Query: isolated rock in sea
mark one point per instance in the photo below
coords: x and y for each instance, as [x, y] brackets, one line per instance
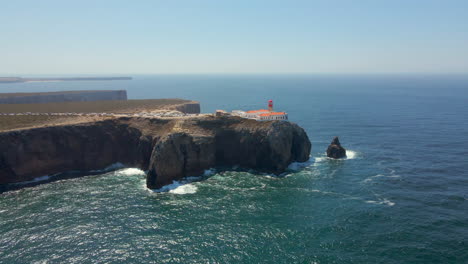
[335, 150]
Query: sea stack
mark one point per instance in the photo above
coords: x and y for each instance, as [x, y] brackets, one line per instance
[335, 150]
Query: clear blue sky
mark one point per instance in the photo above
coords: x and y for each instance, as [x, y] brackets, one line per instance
[329, 36]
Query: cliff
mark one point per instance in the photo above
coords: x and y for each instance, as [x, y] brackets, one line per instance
[169, 149]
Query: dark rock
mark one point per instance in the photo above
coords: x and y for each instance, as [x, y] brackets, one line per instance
[335, 150]
[169, 149]
[263, 146]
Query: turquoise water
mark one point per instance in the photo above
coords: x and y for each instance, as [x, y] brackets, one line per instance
[400, 197]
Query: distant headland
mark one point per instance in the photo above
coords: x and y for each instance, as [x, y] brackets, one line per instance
[67, 79]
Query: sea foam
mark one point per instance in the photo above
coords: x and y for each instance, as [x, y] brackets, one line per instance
[177, 187]
[185, 189]
[350, 154]
[383, 201]
[38, 179]
[130, 172]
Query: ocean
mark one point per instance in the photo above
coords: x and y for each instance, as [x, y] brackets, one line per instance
[401, 196]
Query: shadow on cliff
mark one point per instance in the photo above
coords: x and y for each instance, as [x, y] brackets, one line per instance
[169, 149]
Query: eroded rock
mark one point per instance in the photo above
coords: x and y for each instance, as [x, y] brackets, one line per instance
[335, 150]
[169, 149]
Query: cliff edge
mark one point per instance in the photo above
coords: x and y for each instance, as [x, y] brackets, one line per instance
[169, 149]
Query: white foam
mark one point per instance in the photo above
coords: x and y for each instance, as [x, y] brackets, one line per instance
[38, 179]
[383, 201]
[295, 166]
[185, 189]
[372, 177]
[179, 187]
[184, 186]
[131, 172]
[320, 159]
[379, 176]
[111, 167]
[350, 154]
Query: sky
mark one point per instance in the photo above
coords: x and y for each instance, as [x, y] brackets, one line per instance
[243, 36]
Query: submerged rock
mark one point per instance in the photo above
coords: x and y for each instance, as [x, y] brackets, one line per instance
[335, 150]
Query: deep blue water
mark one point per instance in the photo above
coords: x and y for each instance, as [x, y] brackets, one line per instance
[401, 196]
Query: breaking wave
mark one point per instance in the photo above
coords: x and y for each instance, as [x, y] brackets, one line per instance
[295, 166]
[383, 201]
[131, 172]
[111, 167]
[350, 154]
[178, 187]
[38, 179]
[185, 189]
[184, 186]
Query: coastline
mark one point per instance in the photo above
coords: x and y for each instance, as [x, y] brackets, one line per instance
[170, 149]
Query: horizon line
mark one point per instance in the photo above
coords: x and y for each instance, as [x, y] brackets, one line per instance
[235, 73]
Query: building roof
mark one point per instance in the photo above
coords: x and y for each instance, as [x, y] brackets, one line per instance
[257, 111]
[273, 114]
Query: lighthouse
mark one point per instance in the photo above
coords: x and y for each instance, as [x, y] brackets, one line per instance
[262, 114]
[270, 105]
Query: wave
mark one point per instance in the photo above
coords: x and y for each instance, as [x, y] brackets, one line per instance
[130, 172]
[350, 154]
[184, 189]
[295, 166]
[315, 161]
[373, 177]
[392, 175]
[184, 186]
[178, 187]
[112, 167]
[35, 180]
[383, 201]
[380, 201]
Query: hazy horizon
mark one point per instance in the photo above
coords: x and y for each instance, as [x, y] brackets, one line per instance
[245, 37]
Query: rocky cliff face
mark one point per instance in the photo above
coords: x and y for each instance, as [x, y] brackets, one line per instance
[169, 149]
[188, 108]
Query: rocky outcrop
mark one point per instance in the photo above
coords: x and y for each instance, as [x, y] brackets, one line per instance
[27, 154]
[267, 147]
[335, 150]
[188, 108]
[169, 149]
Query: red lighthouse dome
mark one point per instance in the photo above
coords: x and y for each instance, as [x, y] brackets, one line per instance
[270, 105]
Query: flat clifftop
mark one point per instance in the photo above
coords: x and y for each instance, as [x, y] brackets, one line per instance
[11, 122]
[169, 149]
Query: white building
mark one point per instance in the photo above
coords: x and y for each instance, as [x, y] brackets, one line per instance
[262, 114]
